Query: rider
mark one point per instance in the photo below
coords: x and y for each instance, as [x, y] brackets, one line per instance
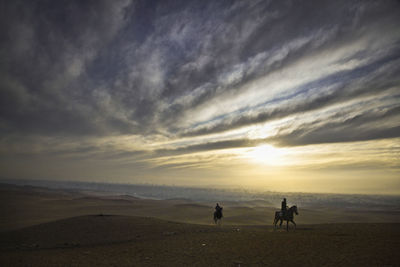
[218, 209]
[284, 207]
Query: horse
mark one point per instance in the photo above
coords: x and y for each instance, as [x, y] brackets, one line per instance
[217, 216]
[288, 217]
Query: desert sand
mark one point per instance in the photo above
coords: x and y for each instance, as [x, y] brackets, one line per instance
[42, 227]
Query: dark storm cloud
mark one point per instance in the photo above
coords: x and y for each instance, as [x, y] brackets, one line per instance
[97, 68]
[45, 49]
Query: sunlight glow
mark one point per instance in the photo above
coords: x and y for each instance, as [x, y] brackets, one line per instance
[266, 154]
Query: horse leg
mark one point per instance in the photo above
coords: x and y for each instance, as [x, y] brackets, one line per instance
[294, 224]
[275, 222]
[287, 225]
[280, 225]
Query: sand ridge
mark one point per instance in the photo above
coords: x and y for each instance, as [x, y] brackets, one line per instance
[42, 227]
[104, 240]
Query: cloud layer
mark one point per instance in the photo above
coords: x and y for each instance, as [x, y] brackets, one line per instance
[171, 78]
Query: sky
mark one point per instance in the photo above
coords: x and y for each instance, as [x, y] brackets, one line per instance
[292, 96]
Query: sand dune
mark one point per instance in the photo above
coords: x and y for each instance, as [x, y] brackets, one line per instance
[134, 241]
[41, 227]
[24, 206]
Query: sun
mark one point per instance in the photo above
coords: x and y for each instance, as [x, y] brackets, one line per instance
[265, 154]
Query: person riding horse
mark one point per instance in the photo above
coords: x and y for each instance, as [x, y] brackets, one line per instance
[285, 214]
[218, 209]
[288, 217]
[217, 213]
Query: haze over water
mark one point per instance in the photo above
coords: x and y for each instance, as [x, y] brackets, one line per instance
[268, 95]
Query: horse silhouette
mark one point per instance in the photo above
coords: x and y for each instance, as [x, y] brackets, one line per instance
[288, 217]
[217, 216]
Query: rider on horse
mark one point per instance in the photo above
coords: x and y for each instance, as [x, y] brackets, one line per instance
[285, 214]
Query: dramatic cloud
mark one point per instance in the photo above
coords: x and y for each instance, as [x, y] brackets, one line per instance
[135, 82]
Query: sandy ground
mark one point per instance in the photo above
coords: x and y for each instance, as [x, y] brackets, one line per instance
[136, 241]
[42, 227]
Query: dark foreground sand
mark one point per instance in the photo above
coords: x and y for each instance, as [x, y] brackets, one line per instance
[40, 227]
[135, 241]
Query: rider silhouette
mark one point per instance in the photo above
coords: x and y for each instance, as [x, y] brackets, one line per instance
[218, 209]
[284, 207]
